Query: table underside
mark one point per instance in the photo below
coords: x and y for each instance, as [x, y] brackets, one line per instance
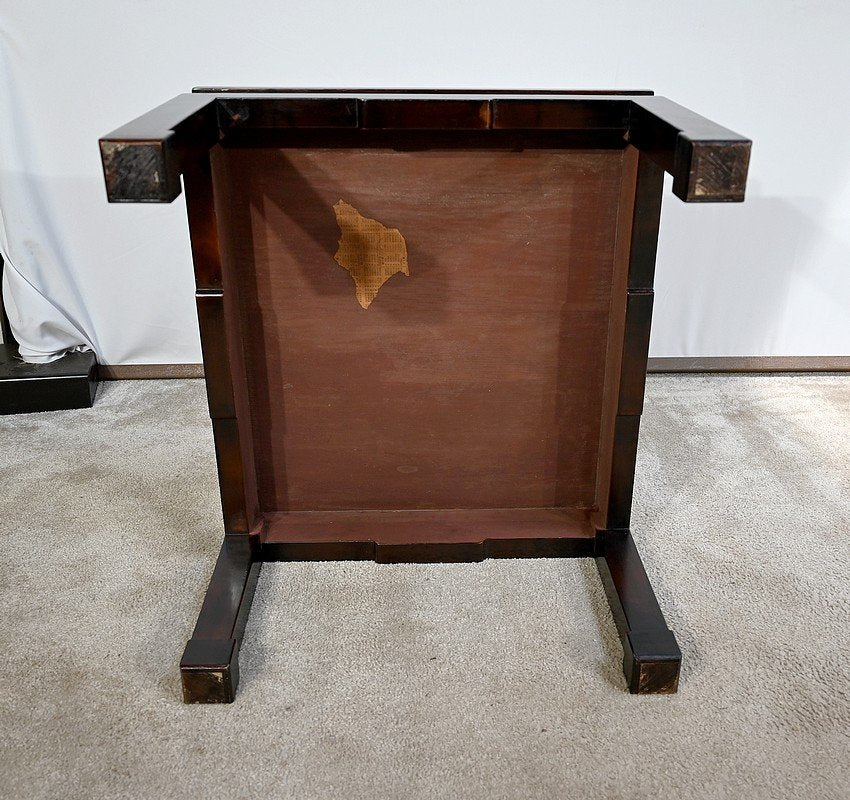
[473, 384]
[425, 324]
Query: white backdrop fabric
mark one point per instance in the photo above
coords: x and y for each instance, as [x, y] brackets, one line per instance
[769, 277]
[45, 309]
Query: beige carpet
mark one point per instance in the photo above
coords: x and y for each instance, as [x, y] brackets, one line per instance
[493, 680]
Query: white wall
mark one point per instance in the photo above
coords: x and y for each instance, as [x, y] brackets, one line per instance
[769, 277]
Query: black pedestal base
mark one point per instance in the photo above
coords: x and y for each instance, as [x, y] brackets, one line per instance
[69, 382]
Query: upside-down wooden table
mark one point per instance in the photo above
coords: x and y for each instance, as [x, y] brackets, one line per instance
[425, 321]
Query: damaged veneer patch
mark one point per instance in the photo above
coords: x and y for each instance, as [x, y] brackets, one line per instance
[371, 252]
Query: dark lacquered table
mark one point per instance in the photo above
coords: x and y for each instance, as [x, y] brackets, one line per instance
[425, 321]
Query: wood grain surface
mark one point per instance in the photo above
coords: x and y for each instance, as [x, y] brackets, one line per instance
[476, 382]
[456, 525]
[429, 536]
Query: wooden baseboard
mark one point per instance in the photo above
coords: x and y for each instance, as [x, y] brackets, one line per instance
[133, 372]
[129, 372]
[751, 364]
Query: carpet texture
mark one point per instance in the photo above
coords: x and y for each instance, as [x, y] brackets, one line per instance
[492, 680]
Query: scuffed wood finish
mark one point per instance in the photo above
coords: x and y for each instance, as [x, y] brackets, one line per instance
[651, 656]
[708, 162]
[294, 112]
[144, 159]
[141, 171]
[210, 665]
[486, 401]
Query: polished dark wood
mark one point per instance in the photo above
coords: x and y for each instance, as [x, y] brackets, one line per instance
[707, 161]
[449, 92]
[628, 338]
[651, 657]
[431, 113]
[203, 223]
[562, 114]
[616, 504]
[143, 159]
[488, 405]
[237, 508]
[219, 383]
[645, 221]
[227, 391]
[209, 667]
[635, 351]
[428, 536]
[294, 112]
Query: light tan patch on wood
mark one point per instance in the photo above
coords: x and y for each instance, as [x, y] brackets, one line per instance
[371, 252]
